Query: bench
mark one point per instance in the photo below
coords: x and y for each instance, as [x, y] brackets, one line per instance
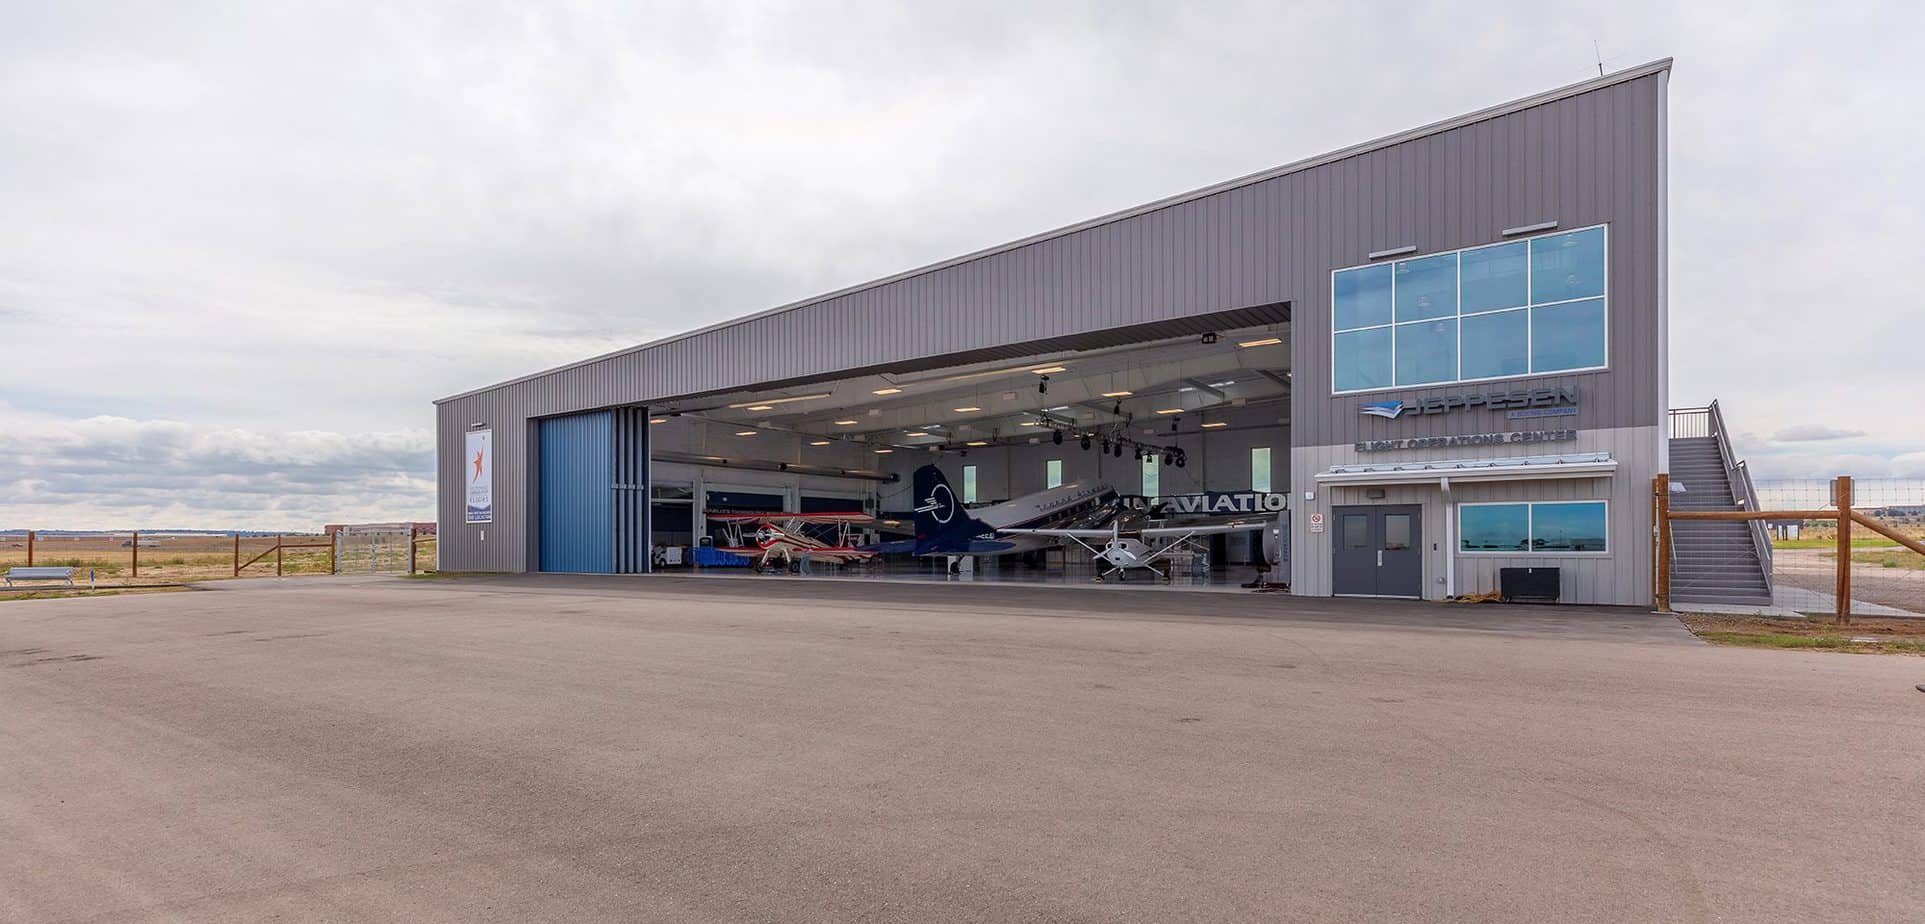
[40, 574]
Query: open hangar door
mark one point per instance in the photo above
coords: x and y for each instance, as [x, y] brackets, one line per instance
[592, 489]
[1189, 422]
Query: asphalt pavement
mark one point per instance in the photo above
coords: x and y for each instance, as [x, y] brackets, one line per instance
[549, 749]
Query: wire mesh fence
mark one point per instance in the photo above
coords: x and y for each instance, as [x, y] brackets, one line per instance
[374, 549]
[1886, 578]
[123, 559]
[130, 558]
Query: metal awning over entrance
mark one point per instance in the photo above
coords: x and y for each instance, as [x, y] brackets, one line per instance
[1444, 471]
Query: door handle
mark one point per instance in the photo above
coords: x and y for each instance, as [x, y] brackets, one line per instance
[1380, 558]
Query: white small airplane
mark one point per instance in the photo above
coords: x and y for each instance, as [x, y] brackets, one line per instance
[1124, 549]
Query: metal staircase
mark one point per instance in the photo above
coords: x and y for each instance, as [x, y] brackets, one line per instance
[1714, 562]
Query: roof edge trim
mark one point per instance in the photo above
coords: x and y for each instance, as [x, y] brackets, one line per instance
[1443, 125]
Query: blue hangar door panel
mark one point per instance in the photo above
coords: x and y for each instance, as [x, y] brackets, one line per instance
[577, 493]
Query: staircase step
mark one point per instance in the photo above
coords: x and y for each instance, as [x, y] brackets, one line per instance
[1678, 599]
[1718, 587]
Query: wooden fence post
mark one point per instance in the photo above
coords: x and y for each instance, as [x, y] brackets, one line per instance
[137, 553]
[277, 554]
[1842, 490]
[30, 548]
[411, 549]
[237, 554]
[1661, 505]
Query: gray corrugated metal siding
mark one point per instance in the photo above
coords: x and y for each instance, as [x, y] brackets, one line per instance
[1585, 154]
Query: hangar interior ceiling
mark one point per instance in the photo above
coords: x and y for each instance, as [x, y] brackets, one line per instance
[1140, 393]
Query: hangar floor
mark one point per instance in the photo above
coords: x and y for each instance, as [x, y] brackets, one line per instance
[1073, 574]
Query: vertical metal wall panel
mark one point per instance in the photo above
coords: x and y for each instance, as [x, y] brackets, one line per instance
[631, 487]
[1586, 154]
[577, 499]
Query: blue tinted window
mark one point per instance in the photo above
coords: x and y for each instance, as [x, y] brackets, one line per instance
[1363, 359]
[1498, 311]
[1567, 336]
[1494, 528]
[1361, 297]
[1427, 287]
[1426, 352]
[1568, 527]
[1567, 266]
[1496, 345]
[1495, 277]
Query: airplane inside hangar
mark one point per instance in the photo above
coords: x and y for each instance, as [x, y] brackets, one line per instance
[1153, 463]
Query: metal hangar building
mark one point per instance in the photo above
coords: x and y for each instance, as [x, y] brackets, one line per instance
[1438, 355]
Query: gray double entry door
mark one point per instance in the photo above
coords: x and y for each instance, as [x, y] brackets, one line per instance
[1378, 551]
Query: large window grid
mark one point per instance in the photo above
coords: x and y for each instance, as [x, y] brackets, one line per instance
[1405, 310]
[1534, 528]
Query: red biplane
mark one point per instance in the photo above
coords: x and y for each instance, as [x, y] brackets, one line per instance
[779, 540]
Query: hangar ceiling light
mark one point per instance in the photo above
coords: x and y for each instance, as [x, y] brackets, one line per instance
[1213, 426]
[1030, 423]
[1170, 410]
[884, 452]
[818, 442]
[1118, 394]
[965, 410]
[656, 420]
[1267, 341]
[887, 391]
[846, 423]
[1050, 370]
[915, 433]
[762, 404]
[745, 433]
[977, 443]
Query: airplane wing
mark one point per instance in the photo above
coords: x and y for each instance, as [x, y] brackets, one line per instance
[794, 518]
[1204, 529]
[1090, 533]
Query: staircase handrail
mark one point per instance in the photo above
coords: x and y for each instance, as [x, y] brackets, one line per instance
[1744, 494]
[1689, 422]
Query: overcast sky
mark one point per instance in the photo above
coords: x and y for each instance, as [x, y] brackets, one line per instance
[244, 246]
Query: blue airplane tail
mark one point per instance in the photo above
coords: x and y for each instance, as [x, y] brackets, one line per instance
[943, 526]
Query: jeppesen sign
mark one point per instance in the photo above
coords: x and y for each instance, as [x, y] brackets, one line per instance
[1515, 400]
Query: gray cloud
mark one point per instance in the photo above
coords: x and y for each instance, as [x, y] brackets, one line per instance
[1810, 433]
[271, 219]
[115, 472]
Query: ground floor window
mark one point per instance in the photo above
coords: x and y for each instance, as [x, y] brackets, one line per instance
[1543, 526]
[1053, 473]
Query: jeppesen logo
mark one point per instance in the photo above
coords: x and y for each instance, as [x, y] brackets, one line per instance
[1386, 409]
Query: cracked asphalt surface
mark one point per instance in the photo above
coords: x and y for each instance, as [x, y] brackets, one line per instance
[552, 748]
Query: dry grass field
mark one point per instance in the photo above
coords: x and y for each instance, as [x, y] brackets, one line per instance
[169, 559]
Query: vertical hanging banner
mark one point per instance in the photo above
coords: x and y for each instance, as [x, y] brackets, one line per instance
[479, 466]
